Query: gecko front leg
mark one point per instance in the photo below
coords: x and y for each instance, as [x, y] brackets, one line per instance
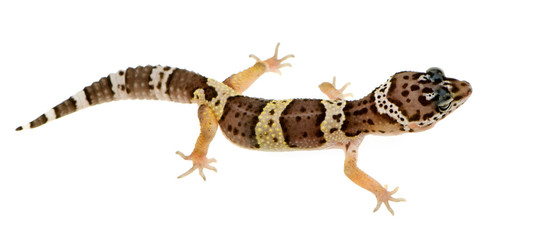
[365, 181]
[209, 126]
[330, 90]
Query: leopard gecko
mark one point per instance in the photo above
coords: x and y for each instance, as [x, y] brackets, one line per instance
[407, 102]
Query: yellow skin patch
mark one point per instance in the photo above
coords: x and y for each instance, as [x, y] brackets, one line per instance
[224, 92]
[332, 123]
[268, 130]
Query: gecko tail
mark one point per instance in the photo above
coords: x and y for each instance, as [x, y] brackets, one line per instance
[148, 82]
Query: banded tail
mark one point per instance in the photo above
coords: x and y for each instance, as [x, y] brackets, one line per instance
[148, 82]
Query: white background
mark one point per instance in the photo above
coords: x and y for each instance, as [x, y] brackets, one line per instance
[109, 172]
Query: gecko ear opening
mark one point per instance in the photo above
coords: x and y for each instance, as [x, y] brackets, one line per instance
[435, 74]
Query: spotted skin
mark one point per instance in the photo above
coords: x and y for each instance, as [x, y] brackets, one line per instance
[239, 120]
[407, 102]
[301, 121]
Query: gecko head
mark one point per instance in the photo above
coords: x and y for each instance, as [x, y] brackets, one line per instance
[421, 99]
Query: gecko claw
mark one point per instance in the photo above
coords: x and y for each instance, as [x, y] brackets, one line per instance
[198, 163]
[274, 64]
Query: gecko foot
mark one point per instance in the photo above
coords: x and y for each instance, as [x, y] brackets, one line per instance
[384, 196]
[199, 162]
[274, 64]
[332, 92]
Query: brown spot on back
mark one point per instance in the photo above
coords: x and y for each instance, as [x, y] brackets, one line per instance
[415, 117]
[393, 84]
[396, 102]
[423, 100]
[373, 109]
[349, 105]
[353, 134]
[427, 90]
[416, 76]
[428, 115]
[360, 112]
[210, 93]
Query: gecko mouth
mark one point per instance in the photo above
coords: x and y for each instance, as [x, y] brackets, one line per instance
[445, 107]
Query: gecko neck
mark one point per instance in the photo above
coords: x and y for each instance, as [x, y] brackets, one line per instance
[362, 117]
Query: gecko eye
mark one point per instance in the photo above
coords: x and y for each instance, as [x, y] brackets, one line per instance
[435, 74]
[444, 100]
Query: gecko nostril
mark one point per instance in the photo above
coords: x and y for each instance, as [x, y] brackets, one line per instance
[466, 84]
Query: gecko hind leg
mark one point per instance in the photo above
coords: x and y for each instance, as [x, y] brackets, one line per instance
[274, 64]
[209, 126]
[243, 80]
